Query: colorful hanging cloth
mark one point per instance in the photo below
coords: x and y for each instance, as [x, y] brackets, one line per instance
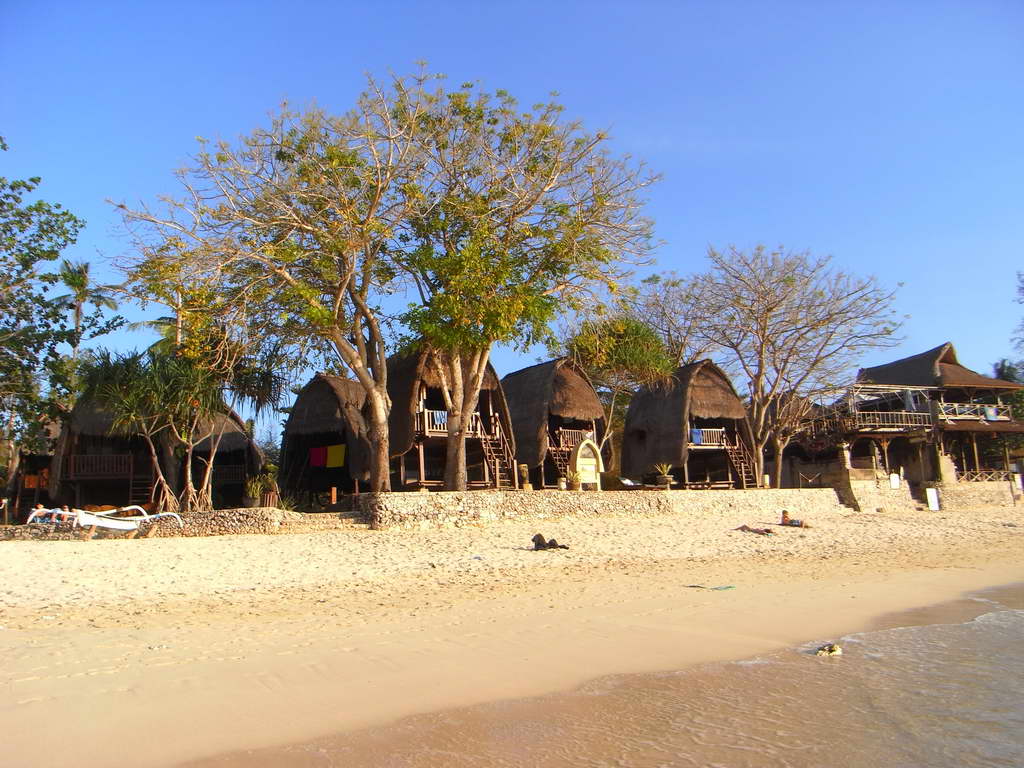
[318, 456]
[335, 455]
[696, 437]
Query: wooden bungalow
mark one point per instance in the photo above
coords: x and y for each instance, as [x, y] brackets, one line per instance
[894, 411]
[324, 445]
[418, 429]
[92, 466]
[553, 408]
[697, 424]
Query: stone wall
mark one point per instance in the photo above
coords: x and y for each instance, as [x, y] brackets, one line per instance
[982, 494]
[431, 510]
[220, 522]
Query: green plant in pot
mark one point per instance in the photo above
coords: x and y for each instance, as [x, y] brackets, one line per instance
[664, 474]
[253, 488]
[572, 480]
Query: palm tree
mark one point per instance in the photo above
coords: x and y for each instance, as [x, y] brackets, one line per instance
[75, 277]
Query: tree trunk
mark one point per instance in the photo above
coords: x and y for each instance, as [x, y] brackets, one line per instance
[163, 495]
[455, 455]
[779, 446]
[759, 458]
[380, 449]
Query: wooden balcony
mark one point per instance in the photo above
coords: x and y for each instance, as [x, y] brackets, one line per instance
[569, 438]
[870, 421]
[435, 424]
[714, 438]
[99, 467]
[973, 412]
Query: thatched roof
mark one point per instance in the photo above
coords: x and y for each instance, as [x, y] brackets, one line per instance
[935, 368]
[405, 374]
[554, 388]
[657, 420]
[332, 404]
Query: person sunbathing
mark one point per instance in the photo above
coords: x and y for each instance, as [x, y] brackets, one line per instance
[761, 531]
[787, 520]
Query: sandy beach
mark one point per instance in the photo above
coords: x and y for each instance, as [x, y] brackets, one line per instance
[160, 651]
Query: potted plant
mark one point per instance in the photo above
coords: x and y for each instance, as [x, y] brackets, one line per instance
[664, 475]
[572, 480]
[253, 489]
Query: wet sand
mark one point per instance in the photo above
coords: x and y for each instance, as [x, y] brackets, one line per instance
[160, 651]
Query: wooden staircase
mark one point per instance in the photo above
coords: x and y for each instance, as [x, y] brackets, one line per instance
[499, 456]
[743, 463]
[140, 483]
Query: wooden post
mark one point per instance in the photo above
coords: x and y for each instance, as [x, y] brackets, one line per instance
[686, 471]
[423, 468]
[974, 446]
[1006, 453]
[885, 454]
[334, 495]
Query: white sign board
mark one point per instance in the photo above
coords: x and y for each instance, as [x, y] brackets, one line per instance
[932, 494]
[894, 481]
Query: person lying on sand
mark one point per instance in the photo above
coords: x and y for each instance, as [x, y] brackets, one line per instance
[761, 531]
[539, 542]
[787, 520]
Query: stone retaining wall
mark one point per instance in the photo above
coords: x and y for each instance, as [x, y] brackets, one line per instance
[983, 494]
[220, 522]
[431, 510]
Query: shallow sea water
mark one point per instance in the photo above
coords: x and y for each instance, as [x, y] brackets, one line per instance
[942, 695]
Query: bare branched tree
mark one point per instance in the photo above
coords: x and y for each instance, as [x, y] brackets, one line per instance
[793, 326]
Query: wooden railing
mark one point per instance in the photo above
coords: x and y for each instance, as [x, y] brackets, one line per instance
[228, 473]
[99, 466]
[851, 422]
[984, 475]
[714, 437]
[977, 411]
[430, 422]
[570, 438]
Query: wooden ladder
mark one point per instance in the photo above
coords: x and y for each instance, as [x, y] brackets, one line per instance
[561, 458]
[743, 463]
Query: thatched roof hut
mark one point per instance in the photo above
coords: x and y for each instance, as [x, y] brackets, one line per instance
[329, 404]
[937, 367]
[408, 376]
[557, 389]
[88, 430]
[659, 417]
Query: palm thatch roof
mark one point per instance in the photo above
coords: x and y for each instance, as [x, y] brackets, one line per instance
[658, 418]
[554, 388]
[937, 367]
[406, 372]
[331, 404]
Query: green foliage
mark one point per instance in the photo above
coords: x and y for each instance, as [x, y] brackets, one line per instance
[619, 352]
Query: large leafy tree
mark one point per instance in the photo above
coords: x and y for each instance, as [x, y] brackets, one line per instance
[619, 354]
[493, 217]
[32, 327]
[294, 225]
[517, 214]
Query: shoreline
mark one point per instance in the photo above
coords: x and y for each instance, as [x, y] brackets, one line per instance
[360, 746]
[447, 620]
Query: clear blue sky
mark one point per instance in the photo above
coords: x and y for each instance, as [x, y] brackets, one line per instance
[886, 134]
